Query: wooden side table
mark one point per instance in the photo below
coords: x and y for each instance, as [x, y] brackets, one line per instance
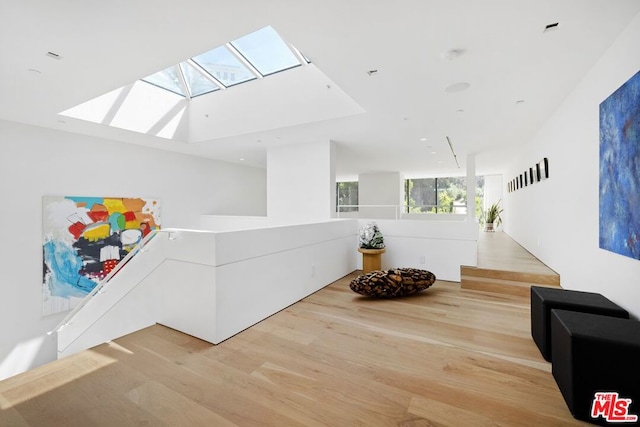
[371, 259]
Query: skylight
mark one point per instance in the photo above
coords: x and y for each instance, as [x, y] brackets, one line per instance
[168, 79]
[197, 82]
[250, 57]
[266, 51]
[224, 66]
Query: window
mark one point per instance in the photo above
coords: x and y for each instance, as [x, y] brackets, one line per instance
[168, 79]
[347, 196]
[219, 62]
[266, 51]
[197, 83]
[253, 56]
[440, 195]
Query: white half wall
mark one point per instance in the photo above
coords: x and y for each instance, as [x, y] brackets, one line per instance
[37, 162]
[557, 219]
[213, 285]
[438, 246]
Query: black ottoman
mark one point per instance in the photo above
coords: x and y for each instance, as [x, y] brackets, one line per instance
[544, 299]
[597, 354]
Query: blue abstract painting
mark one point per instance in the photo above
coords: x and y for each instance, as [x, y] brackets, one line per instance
[620, 170]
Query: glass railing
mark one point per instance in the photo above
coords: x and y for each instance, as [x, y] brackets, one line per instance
[396, 211]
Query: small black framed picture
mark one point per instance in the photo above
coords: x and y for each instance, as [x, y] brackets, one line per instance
[544, 168]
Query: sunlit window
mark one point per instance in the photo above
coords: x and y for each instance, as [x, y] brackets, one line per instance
[253, 56]
[197, 83]
[266, 51]
[347, 196]
[168, 79]
[221, 63]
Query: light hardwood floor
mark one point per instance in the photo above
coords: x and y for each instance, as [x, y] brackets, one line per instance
[506, 267]
[498, 251]
[445, 357]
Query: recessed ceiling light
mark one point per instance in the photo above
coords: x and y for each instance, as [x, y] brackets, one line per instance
[434, 152]
[423, 139]
[241, 159]
[457, 87]
[452, 54]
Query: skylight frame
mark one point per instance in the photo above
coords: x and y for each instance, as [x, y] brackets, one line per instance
[189, 64]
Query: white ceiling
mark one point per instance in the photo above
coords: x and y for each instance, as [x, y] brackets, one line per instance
[506, 58]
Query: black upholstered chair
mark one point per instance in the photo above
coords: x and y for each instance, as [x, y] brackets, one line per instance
[594, 353]
[544, 299]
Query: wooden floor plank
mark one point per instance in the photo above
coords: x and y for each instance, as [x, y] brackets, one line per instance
[445, 357]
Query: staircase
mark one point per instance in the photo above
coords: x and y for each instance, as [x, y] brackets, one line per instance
[506, 267]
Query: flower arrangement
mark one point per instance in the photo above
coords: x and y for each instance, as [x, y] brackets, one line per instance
[371, 237]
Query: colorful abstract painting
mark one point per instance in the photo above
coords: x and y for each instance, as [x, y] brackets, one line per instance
[620, 170]
[85, 238]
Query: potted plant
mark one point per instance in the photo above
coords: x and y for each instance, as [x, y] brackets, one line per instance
[492, 218]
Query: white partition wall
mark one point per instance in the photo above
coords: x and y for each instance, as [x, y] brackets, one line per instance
[380, 195]
[300, 183]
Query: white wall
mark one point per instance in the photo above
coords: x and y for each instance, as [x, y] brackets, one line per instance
[380, 188]
[493, 193]
[557, 219]
[492, 190]
[37, 161]
[300, 183]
